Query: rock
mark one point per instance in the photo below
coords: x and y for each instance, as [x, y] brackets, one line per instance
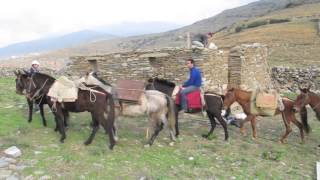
[13, 151]
[3, 163]
[38, 172]
[13, 177]
[5, 173]
[9, 160]
[12, 167]
[45, 177]
[30, 177]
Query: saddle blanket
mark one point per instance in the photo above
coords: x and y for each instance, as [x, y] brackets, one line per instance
[265, 100]
[63, 90]
[193, 99]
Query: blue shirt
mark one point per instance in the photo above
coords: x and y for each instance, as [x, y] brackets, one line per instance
[194, 79]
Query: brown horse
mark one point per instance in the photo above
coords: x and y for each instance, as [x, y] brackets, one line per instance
[243, 98]
[304, 98]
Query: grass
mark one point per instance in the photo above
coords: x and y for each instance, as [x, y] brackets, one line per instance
[191, 157]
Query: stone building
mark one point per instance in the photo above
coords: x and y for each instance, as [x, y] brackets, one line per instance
[243, 64]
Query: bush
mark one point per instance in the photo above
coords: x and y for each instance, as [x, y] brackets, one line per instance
[257, 23]
[274, 21]
[240, 28]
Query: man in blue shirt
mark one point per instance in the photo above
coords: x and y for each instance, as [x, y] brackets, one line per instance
[192, 84]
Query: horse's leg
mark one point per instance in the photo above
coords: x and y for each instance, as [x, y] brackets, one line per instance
[293, 119]
[30, 104]
[109, 128]
[176, 109]
[60, 123]
[224, 125]
[157, 128]
[95, 127]
[213, 124]
[115, 131]
[253, 125]
[66, 118]
[242, 130]
[287, 125]
[44, 122]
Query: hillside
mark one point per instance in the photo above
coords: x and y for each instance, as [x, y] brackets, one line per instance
[294, 42]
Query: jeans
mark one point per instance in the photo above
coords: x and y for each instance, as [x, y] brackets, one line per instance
[183, 95]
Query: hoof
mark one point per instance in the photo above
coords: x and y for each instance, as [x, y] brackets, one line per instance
[111, 147]
[87, 143]
[146, 145]
[205, 136]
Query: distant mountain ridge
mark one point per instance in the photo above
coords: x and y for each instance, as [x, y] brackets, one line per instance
[53, 43]
[85, 37]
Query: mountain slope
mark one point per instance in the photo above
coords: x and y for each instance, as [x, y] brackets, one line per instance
[292, 35]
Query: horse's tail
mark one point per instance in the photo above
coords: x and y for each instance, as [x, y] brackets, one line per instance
[304, 118]
[171, 114]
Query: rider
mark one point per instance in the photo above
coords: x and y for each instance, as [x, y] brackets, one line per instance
[34, 67]
[192, 84]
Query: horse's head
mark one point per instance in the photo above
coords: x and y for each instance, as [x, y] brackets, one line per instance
[302, 100]
[161, 85]
[150, 85]
[21, 81]
[229, 98]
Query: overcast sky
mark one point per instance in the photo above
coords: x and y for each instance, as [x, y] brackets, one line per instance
[22, 20]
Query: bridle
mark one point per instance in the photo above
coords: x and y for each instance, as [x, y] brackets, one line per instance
[37, 94]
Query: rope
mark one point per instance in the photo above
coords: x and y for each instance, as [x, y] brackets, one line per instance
[92, 95]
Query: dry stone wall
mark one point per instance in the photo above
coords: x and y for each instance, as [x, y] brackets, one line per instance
[166, 63]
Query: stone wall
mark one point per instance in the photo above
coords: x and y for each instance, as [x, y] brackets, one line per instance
[291, 78]
[166, 63]
[248, 66]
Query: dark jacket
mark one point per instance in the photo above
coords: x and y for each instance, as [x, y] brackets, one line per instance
[201, 38]
[33, 70]
[194, 79]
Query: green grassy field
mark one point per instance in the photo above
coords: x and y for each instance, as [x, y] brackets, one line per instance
[191, 157]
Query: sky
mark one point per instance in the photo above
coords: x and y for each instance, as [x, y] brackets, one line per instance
[24, 20]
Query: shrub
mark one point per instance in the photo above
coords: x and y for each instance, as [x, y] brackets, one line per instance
[257, 23]
[274, 21]
[240, 28]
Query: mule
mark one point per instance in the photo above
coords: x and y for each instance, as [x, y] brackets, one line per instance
[213, 102]
[304, 98]
[243, 98]
[158, 106]
[101, 108]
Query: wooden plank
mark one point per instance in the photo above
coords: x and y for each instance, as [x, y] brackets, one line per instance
[130, 90]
